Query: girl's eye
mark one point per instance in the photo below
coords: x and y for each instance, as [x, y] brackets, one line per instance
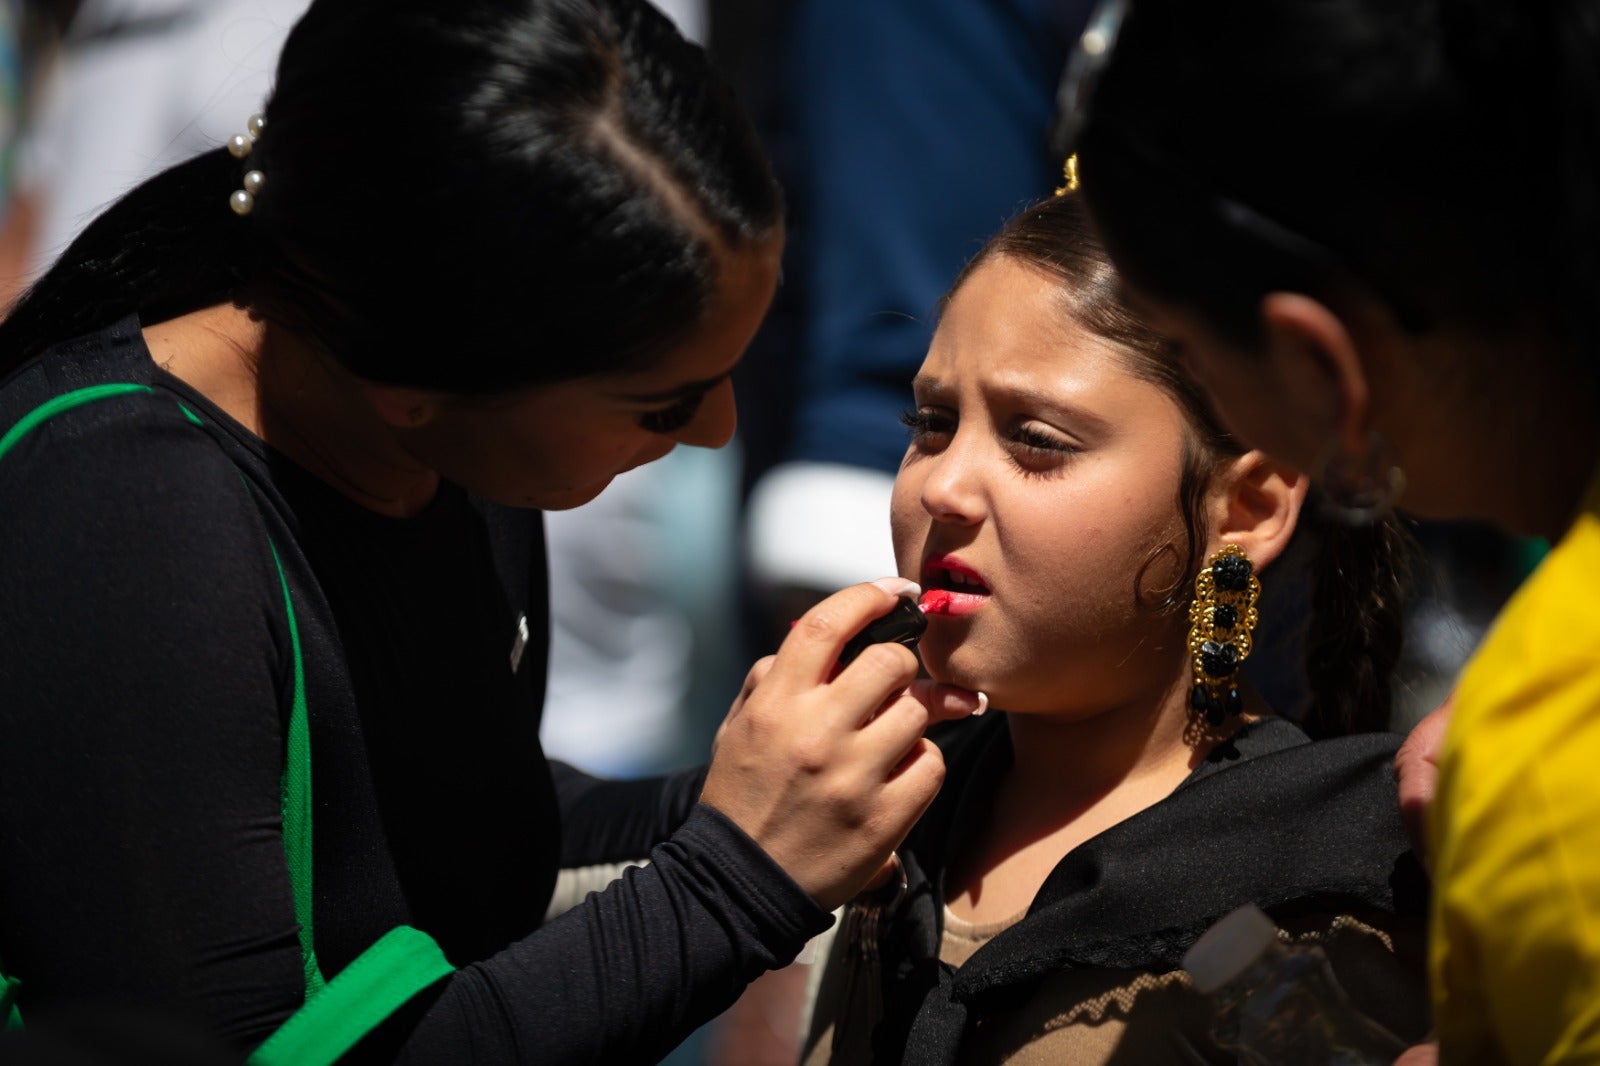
[1037, 439]
[1037, 451]
[926, 424]
[671, 419]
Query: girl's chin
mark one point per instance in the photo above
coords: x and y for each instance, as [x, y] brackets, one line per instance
[952, 669]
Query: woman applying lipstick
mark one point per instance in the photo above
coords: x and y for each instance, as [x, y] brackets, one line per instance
[1063, 490]
[276, 436]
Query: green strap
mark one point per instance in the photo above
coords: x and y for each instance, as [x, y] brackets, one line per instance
[65, 402]
[9, 987]
[383, 979]
[402, 963]
[296, 797]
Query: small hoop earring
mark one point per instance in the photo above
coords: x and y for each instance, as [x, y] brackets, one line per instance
[1222, 621]
[1360, 490]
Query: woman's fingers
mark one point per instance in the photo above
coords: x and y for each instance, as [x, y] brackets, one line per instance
[1417, 766]
[880, 673]
[762, 667]
[760, 670]
[827, 768]
[914, 782]
[1421, 1055]
[895, 732]
[811, 651]
[945, 702]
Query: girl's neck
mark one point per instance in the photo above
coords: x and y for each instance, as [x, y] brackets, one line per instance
[1062, 763]
[293, 396]
[1070, 780]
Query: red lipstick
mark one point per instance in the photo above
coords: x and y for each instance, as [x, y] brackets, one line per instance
[954, 588]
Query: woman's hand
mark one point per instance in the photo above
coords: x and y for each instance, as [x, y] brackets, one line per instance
[827, 769]
[1421, 1055]
[1417, 766]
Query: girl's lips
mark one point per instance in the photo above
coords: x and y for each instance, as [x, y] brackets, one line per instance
[954, 588]
[951, 604]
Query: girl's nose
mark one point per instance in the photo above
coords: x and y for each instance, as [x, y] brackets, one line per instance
[951, 490]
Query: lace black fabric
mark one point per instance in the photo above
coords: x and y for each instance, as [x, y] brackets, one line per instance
[1269, 818]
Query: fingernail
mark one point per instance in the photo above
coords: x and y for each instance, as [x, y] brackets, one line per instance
[983, 705]
[899, 586]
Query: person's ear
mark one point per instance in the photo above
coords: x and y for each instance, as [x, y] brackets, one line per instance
[401, 406]
[1315, 357]
[1256, 504]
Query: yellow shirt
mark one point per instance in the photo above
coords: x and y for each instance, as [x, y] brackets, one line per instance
[1516, 826]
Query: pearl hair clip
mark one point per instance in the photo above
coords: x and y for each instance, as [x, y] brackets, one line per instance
[240, 146]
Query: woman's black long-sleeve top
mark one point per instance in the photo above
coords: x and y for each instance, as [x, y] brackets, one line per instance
[145, 680]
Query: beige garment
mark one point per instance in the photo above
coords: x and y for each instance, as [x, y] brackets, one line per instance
[1134, 1018]
[1083, 1017]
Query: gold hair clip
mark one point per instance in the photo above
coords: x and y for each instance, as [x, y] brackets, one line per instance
[1070, 173]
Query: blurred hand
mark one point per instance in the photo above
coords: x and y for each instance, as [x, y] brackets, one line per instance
[1422, 1054]
[1417, 766]
[828, 769]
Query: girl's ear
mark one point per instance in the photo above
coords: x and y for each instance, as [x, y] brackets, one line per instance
[401, 406]
[1255, 503]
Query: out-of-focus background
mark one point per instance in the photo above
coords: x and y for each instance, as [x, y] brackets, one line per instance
[904, 132]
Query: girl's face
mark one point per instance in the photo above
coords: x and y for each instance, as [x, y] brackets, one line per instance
[558, 446]
[1041, 478]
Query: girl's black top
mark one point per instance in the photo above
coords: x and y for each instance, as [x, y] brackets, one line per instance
[145, 683]
[1302, 829]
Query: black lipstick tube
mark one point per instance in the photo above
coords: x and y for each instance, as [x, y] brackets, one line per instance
[904, 624]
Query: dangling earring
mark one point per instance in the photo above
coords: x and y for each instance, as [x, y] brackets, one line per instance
[1358, 490]
[1221, 621]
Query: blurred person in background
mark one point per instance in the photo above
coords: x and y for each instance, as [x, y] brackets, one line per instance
[139, 86]
[29, 33]
[15, 81]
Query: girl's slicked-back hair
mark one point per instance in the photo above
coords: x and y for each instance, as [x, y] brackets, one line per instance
[1353, 634]
[468, 196]
[1445, 154]
[1056, 238]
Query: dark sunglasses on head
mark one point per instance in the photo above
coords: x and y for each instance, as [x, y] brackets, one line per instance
[1084, 67]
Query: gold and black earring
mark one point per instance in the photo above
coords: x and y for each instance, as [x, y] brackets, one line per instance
[1221, 620]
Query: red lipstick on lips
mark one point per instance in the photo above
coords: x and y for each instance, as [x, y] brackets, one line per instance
[954, 588]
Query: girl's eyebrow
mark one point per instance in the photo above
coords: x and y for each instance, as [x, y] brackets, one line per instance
[1035, 400]
[1023, 396]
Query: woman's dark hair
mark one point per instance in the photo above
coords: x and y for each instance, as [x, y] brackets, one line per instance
[468, 196]
[1354, 632]
[1442, 154]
